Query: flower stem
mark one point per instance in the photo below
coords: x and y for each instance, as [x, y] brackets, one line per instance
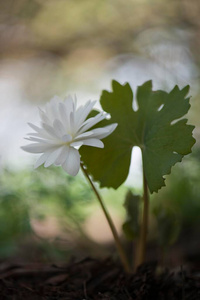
[141, 252]
[111, 224]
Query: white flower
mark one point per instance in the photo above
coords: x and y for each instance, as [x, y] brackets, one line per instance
[64, 128]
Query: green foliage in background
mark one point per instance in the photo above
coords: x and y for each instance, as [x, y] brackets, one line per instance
[26, 195]
[61, 194]
[14, 215]
[175, 210]
[168, 226]
[177, 207]
[131, 225]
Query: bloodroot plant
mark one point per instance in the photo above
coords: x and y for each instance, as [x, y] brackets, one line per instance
[157, 127]
[64, 129]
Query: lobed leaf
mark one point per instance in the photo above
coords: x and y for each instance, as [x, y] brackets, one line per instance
[155, 127]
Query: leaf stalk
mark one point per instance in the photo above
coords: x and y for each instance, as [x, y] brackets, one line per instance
[118, 244]
[141, 251]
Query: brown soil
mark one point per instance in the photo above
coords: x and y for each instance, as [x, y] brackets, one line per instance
[92, 279]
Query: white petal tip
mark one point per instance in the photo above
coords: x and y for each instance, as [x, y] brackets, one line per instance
[114, 125]
[71, 173]
[24, 148]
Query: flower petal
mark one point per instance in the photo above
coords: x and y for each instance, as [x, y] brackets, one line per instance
[62, 157]
[76, 144]
[66, 138]
[72, 162]
[37, 147]
[64, 116]
[68, 102]
[103, 132]
[98, 133]
[91, 122]
[83, 112]
[50, 130]
[93, 142]
[44, 117]
[72, 123]
[34, 127]
[41, 159]
[40, 140]
[59, 128]
[84, 135]
[52, 157]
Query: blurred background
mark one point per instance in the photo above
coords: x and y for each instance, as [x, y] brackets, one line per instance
[77, 47]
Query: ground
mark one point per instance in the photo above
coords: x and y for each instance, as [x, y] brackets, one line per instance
[94, 279]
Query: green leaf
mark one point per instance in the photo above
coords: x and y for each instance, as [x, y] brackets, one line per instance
[154, 127]
[131, 225]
